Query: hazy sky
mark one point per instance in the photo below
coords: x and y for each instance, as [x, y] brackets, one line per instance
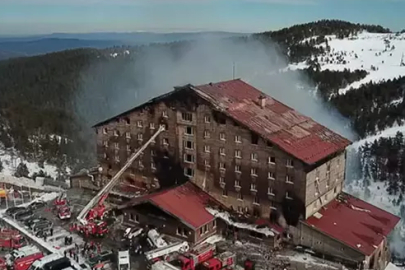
[47, 16]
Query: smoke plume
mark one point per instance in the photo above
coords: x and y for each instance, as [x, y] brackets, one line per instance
[156, 70]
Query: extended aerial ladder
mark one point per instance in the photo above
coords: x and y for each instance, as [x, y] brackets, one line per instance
[95, 209]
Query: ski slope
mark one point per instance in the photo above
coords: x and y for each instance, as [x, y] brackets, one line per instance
[364, 51]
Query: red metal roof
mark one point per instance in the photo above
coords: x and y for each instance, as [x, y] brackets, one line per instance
[354, 222]
[293, 132]
[186, 202]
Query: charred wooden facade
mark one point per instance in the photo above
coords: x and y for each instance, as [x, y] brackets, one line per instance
[233, 163]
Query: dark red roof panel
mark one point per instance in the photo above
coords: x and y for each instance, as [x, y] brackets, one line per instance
[187, 202]
[293, 132]
[354, 222]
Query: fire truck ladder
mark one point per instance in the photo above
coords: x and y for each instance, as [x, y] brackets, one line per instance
[103, 193]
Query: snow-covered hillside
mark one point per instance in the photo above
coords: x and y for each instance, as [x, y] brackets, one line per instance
[10, 161]
[379, 54]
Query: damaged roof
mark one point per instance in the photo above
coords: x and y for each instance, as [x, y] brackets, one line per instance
[358, 224]
[187, 202]
[296, 134]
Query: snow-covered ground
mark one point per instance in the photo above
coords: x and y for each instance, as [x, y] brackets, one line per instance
[379, 54]
[10, 161]
[387, 133]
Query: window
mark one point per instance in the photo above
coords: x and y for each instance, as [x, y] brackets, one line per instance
[105, 131]
[222, 180]
[188, 158]
[117, 159]
[328, 168]
[189, 131]
[140, 164]
[326, 197]
[204, 229]
[288, 195]
[181, 232]
[240, 196]
[221, 120]
[105, 143]
[290, 163]
[127, 135]
[335, 190]
[256, 200]
[105, 155]
[207, 163]
[116, 146]
[133, 217]
[253, 156]
[152, 152]
[207, 119]
[140, 137]
[222, 166]
[317, 175]
[207, 148]
[214, 223]
[254, 139]
[152, 165]
[165, 141]
[188, 117]
[189, 145]
[128, 148]
[253, 171]
[271, 175]
[272, 160]
[189, 172]
[238, 139]
[164, 114]
[237, 169]
[222, 151]
[116, 133]
[207, 134]
[270, 191]
[269, 144]
[238, 154]
[224, 192]
[152, 125]
[127, 121]
[139, 124]
[289, 179]
[237, 183]
[222, 136]
[253, 187]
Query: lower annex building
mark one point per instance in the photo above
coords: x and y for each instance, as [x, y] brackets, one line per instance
[251, 153]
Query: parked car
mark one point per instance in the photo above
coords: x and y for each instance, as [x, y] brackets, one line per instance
[34, 219]
[36, 205]
[41, 226]
[13, 210]
[24, 215]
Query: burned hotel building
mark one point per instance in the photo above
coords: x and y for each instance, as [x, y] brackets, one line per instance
[249, 152]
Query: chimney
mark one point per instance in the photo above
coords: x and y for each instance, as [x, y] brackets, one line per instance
[262, 101]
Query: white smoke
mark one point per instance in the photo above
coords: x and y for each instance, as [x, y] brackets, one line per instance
[157, 70]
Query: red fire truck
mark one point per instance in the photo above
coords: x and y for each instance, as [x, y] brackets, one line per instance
[226, 260]
[25, 262]
[11, 242]
[190, 260]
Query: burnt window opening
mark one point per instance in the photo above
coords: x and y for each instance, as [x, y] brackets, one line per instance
[189, 145]
[165, 141]
[255, 139]
[272, 160]
[109, 166]
[127, 120]
[105, 131]
[235, 124]
[117, 120]
[189, 131]
[221, 120]
[96, 130]
[188, 117]
[269, 144]
[166, 154]
[189, 158]
[189, 172]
